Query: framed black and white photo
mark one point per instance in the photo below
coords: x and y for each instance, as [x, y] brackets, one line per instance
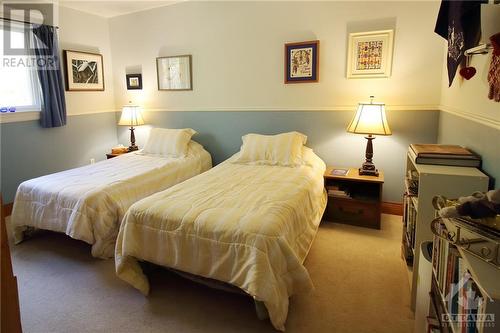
[134, 81]
[302, 62]
[369, 54]
[174, 73]
[84, 71]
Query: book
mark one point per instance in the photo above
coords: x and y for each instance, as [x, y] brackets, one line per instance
[439, 150]
[450, 270]
[443, 265]
[338, 193]
[340, 172]
[450, 162]
[445, 161]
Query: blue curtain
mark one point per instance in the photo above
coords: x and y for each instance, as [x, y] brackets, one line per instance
[53, 103]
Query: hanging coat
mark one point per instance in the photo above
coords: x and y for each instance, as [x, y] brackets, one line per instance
[459, 22]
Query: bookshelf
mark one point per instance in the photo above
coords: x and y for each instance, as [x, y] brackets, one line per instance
[422, 183]
[465, 288]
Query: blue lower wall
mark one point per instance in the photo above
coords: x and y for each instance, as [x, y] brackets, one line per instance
[28, 151]
[220, 133]
[482, 139]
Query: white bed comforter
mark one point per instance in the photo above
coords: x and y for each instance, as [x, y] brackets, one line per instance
[88, 203]
[250, 226]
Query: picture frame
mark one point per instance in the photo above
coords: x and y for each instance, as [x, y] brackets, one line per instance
[302, 62]
[369, 54]
[134, 81]
[174, 73]
[84, 71]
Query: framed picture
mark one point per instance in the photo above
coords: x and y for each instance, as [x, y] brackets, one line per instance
[84, 71]
[174, 73]
[134, 81]
[370, 54]
[302, 62]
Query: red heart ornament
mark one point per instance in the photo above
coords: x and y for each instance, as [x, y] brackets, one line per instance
[467, 72]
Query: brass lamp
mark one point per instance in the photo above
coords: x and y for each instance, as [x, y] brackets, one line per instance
[369, 119]
[131, 116]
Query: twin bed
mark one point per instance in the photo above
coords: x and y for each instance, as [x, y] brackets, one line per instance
[88, 203]
[248, 222]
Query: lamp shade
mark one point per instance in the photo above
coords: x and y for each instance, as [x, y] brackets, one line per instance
[131, 116]
[370, 119]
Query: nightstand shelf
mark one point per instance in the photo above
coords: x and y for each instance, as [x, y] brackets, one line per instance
[362, 207]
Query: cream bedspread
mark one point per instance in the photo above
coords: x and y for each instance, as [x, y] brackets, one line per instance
[250, 226]
[88, 203]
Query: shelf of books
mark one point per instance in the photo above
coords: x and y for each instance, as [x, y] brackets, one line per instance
[422, 183]
[465, 289]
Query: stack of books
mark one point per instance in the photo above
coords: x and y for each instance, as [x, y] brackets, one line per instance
[463, 299]
[444, 155]
[335, 191]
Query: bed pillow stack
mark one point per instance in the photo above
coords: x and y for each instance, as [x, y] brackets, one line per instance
[169, 142]
[283, 149]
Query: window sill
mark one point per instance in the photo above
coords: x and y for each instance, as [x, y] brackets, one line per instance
[19, 116]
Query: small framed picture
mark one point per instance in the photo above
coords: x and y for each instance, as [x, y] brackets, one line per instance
[84, 71]
[302, 62]
[369, 54]
[340, 172]
[134, 81]
[174, 73]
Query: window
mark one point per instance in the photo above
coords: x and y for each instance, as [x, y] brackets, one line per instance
[19, 85]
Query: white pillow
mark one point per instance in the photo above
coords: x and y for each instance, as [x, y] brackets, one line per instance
[169, 142]
[283, 149]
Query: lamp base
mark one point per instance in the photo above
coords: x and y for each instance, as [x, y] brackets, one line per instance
[132, 146]
[368, 168]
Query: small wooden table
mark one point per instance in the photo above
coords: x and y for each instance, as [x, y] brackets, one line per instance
[362, 204]
[110, 155]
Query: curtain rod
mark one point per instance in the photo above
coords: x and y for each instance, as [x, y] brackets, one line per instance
[24, 22]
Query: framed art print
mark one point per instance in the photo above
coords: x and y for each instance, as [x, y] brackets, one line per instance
[370, 54]
[302, 62]
[84, 71]
[134, 81]
[174, 73]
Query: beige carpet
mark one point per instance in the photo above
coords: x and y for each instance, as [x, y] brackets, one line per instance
[361, 286]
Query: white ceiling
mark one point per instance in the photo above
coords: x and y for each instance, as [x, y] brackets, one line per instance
[113, 8]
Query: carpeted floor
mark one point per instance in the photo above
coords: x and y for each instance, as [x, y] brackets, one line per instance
[361, 286]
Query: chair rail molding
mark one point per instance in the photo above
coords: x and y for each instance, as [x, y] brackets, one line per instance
[16, 117]
[487, 121]
[285, 108]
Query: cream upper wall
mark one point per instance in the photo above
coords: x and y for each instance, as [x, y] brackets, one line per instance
[88, 33]
[237, 50]
[469, 98]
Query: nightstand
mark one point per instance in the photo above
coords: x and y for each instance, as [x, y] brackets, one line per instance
[109, 155]
[354, 199]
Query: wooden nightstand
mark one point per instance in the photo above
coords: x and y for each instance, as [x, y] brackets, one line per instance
[109, 155]
[362, 206]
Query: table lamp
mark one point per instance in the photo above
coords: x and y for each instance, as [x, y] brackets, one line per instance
[369, 119]
[131, 116]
